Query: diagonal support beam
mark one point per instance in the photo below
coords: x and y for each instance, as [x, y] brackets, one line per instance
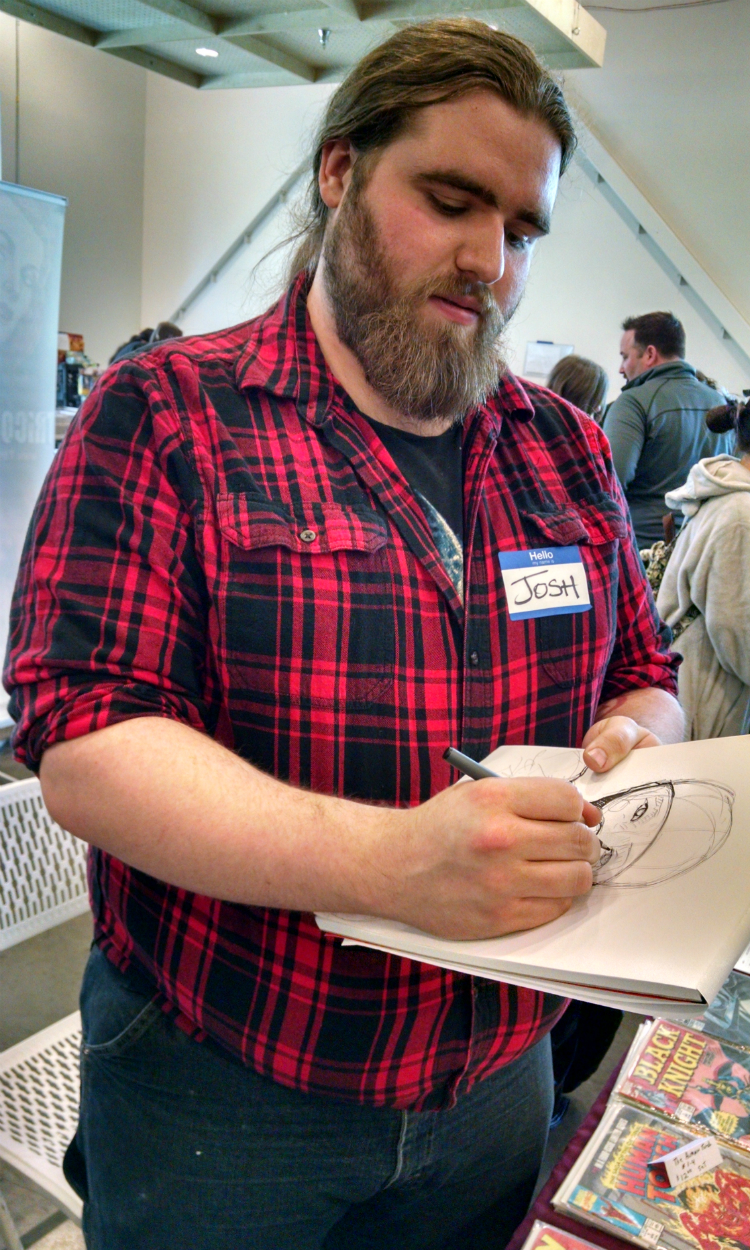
[660, 241]
[261, 219]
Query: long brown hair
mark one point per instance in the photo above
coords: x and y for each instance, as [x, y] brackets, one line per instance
[582, 382]
[421, 65]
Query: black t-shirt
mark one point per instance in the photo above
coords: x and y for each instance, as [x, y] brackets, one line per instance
[433, 467]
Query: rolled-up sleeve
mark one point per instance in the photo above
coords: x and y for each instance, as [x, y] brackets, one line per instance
[108, 619]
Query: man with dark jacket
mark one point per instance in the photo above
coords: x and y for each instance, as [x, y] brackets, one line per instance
[656, 426]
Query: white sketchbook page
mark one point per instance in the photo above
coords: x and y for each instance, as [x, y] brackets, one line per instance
[676, 937]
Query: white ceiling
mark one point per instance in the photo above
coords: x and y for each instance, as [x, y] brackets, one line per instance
[255, 43]
[671, 105]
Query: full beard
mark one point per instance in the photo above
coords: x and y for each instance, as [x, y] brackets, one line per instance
[426, 372]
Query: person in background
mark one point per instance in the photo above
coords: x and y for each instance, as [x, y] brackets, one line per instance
[145, 340]
[705, 592]
[582, 382]
[655, 426]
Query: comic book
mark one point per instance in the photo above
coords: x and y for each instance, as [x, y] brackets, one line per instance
[728, 1016]
[689, 1077]
[612, 1187]
[546, 1237]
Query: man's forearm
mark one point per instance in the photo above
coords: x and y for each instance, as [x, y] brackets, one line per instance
[473, 861]
[173, 803]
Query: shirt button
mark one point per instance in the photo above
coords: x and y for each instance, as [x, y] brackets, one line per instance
[474, 659]
[308, 536]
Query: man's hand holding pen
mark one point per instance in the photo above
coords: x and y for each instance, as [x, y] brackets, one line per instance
[481, 860]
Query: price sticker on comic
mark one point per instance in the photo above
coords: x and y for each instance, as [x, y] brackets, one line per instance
[698, 1156]
[544, 581]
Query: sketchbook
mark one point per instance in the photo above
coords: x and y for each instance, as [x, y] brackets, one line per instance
[612, 1187]
[688, 1077]
[669, 912]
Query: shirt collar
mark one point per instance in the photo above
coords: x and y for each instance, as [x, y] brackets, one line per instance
[670, 368]
[283, 357]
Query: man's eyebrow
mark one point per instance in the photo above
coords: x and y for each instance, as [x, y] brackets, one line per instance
[450, 178]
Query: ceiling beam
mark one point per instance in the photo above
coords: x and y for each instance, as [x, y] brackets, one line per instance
[571, 20]
[278, 23]
[159, 65]
[179, 11]
[343, 8]
[274, 56]
[160, 32]
[264, 78]
[48, 21]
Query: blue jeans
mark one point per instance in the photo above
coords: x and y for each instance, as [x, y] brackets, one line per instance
[180, 1147]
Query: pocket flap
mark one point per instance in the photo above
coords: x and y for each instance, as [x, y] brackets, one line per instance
[316, 527]
[599, 521]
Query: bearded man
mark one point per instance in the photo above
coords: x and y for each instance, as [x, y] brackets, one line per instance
[262, 593]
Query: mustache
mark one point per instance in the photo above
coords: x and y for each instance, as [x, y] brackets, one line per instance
[451, 287]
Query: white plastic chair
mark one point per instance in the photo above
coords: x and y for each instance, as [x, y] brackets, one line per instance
[42, 868]
[42, 883]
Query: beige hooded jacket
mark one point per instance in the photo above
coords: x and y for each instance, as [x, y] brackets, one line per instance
[710, 567]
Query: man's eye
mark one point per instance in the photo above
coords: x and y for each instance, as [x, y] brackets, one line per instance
[518, 242]
[449, 208]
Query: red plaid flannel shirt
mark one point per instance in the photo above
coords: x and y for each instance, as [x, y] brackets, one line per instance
[224, 540]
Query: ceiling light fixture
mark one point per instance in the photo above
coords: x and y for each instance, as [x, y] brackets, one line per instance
[324, 35]
[206, 52]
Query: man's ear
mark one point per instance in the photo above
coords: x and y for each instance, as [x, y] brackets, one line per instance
[650, 356]
[336, 164]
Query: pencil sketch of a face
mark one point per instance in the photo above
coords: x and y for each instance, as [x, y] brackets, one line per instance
[654, 832]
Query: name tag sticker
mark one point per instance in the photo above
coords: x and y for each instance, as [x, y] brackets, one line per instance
[545, 581]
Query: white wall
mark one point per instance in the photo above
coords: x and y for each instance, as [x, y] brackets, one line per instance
[82, 124]
[587, 276]
[213, 159]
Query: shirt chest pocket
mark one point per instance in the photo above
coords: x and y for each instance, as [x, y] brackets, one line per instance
[308, 610]
[574, 648]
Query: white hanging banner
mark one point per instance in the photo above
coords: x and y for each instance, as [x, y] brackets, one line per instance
[31, 239]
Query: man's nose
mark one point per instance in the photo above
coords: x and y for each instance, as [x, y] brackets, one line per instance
[483, 255]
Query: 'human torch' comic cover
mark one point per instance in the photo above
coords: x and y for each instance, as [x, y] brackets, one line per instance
[691, 1078]
[612, 1187]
